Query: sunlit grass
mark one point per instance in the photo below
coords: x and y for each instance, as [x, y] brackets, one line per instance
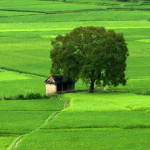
[23, 116]
[87, 139]
[101, 119]
[9, 76]
[144, 40]
[106, 101]
[32, 105]
[5, 141]
[24, 87]
[5, 27]
[20, 122]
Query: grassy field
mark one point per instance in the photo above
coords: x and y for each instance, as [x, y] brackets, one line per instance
[30, 57]
[99, 121]
[20, 117]
[94, 139]
[5, 141]
[23, 116]
[103, 120]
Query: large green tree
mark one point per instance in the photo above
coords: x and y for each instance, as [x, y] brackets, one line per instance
[92, 54]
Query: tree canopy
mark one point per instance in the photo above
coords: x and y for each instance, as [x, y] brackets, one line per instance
[92, 54]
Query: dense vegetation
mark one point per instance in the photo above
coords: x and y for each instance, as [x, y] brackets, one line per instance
[92, 54]
[117, 119]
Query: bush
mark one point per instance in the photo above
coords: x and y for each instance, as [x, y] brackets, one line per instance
[143, 93]
[31, 96]
[20, 96]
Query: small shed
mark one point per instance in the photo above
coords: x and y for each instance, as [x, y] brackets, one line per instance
[59, 84]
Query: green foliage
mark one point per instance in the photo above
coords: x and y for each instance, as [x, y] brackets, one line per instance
[144, 93]
[92, 54]
[32, 96]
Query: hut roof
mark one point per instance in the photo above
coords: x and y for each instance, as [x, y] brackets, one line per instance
[58, 80]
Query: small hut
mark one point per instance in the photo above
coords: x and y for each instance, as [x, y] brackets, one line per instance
[59, 84]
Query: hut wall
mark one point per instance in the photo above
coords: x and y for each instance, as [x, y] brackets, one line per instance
[72, 87]
[51, 88]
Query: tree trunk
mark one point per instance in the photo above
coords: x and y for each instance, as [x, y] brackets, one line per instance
[91, 89]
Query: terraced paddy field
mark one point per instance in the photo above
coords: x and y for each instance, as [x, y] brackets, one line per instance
[99, 121]
[117, 119]
[21, 117]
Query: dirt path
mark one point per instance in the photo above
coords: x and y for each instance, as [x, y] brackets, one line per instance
[49, 119]
[17, 143]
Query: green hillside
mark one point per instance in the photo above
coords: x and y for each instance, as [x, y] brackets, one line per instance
[117, 119]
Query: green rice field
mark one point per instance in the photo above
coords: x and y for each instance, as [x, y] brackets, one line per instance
[117, 119]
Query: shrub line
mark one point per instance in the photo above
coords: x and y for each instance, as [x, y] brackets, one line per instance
[31, 96]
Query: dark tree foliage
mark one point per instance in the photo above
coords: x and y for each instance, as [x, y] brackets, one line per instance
[92, 54]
